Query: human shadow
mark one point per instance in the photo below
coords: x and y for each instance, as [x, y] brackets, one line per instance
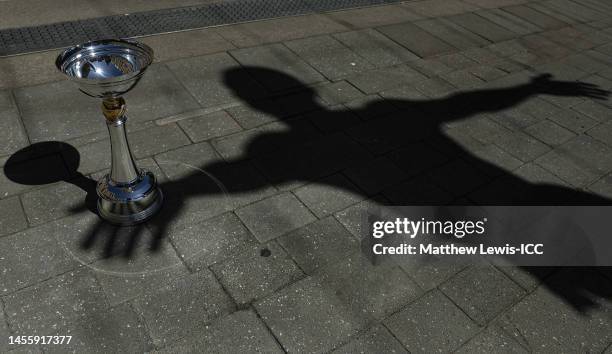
[305, 148]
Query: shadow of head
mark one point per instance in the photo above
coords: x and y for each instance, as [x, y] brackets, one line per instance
[43, 163]
[50, 162]
[240, 81]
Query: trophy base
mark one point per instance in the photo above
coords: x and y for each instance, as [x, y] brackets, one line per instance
[129, 203]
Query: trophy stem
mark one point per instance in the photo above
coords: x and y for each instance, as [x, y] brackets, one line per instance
[123, 167]
[127, 195]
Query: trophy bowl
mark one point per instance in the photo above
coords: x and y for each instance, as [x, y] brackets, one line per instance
[107, 69]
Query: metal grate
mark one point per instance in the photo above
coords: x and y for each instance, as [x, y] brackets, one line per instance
[58, 35]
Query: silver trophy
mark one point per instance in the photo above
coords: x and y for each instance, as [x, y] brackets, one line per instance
[108, 69]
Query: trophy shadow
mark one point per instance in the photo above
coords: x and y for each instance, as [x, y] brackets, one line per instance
[289, 155]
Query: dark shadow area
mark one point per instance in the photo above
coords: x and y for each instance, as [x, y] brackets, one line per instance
[297, 154]
[38, 171]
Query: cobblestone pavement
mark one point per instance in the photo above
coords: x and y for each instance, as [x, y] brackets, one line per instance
[304, 122]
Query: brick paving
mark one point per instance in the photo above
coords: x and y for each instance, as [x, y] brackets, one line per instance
[304, 122]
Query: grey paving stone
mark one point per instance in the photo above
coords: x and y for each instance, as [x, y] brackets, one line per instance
[352, 218]
[158, 95]
[58, 111]
[452, 33]
[430, 67]
[522, 146]
[601, 132]
[431, 323]
[281, 29]
[27, 258]
[5, 332]
[272, 217]
[291, 168]
[382, 135]
[212, 241]
[278, 58]
[308, 316]
[374, 176]
[526, 113]
[333, 119]
[417, 40]
[373, 16]
[377, 290]
[509, 66]
[375, 47]
[177, 163]
[113, 330]
[13, 136]
[465, 177]
[26, 349]
[417, 191]
[456, 61]
[508, 48]
[429, 272]
[240, 332]
[434, 87]
[496, 161]
[204, 78]
[186, 304]
[482, 55]
[538, 18]
[439, 8]
[257, 272]
[375, 340]
[509, 21]
[462, 79]
[142, 270]
[533, 173]
[594, 110]
[249, 117]
[535, 320]
[371, 106]
[186, 44]
[338, 92]
[487, 73]
[320, 243]
[53, 202]
[602, 186]
[12, 217]
[54, 304]
[387, 78]
[328, 195]
[492, 339]
[482, 27]
[574, 10]
[529, 278]
[417, 158]
[209, 126]
[550, 133]
[579, 161]
[95, 157]
[329, 56]
[482, 292]
[251, 143]
[480, 127]
[155, 140]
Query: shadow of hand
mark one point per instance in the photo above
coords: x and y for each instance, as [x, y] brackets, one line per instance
[545, 85]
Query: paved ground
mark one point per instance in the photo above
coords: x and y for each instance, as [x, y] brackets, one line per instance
[18, 13]
[306, 122]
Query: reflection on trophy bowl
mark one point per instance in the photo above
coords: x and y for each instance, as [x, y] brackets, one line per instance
[105, 68]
